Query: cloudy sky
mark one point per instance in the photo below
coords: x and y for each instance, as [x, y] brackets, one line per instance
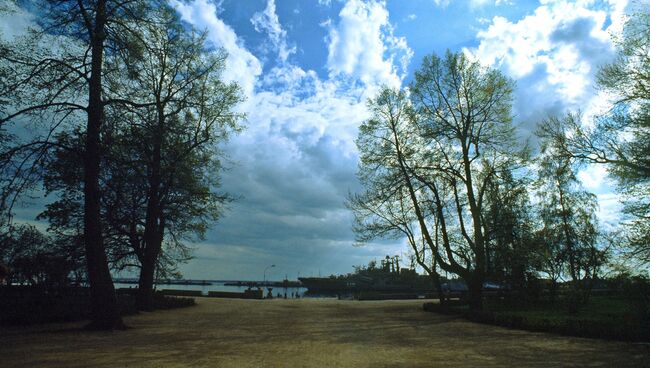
[307, 68]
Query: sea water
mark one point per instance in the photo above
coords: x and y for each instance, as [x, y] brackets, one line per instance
[219, 286]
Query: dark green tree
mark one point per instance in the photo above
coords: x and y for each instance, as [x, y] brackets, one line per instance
[40, 260]
[162, 163]
[191, 113]
[57, 74]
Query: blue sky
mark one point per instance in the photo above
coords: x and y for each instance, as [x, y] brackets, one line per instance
[307, 68]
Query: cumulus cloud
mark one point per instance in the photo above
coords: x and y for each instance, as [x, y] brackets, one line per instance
[241, 66]
[362, 45]
[296, 161]
[267, 21]
[553, 54]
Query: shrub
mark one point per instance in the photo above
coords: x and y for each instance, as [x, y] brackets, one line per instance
[30, 305]
[621, 326]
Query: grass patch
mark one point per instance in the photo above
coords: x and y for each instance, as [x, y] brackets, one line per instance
[603, 317]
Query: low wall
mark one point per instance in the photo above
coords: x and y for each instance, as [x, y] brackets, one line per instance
[247, 294]
[225, 294]
[176, 292]
[373, 295]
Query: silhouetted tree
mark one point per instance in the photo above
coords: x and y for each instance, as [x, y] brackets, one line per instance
[39, 259]
[57, 74]
[509, 225]
[162, 161]
[427, 164]
[384, 210]
[178, 136]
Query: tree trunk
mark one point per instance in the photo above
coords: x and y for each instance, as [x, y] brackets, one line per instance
[153, 236]
[104, 309]
[145, 283]
[475, 289]
[154, 225]
[153, 246]
[435, 279]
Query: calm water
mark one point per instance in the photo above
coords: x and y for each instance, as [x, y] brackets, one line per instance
[219, 286]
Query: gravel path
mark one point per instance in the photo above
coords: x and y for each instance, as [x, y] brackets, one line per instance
[306, 333]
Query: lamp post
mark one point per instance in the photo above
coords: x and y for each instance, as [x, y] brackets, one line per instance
[264, 282]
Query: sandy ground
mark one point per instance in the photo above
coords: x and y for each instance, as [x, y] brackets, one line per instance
[306, 333]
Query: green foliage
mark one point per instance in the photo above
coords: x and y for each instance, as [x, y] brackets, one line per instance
[603, 317]
[509, 230]
[161, 151]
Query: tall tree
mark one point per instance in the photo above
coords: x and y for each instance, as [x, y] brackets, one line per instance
[465, 121]
[387, 144]
[191, 113]
[162, 162]
[435, 156]
[46, 82]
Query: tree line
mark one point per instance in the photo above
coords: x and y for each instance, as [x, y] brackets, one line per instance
[118, 110]
[442, 166]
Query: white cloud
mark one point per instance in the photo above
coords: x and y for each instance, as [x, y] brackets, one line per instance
[594, 177]
[362, 45]
[609, 210]
[267, 21]
[14, 21]
[553, 54]
[241, 65]
[297, 158]
[473, 4]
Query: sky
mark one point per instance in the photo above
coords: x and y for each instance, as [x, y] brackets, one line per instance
[307, 69]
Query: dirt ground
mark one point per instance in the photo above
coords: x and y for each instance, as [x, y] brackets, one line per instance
[306, 333]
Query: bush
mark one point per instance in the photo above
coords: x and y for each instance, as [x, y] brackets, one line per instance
[30, 305]
[621, 325]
